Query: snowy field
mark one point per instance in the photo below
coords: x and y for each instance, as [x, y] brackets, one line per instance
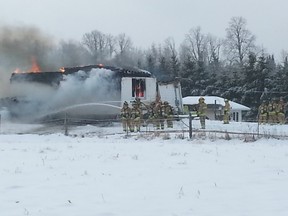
[94, 172]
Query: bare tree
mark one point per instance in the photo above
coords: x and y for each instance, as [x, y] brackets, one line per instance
[123, 50]
[196, 44]
[124, 43]
[213, 48]
[239, 40]
[96, 42]
[170, 47]
[72, 53]
[111, 42]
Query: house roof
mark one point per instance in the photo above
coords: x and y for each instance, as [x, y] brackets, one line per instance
[191, 100]
[54, 77]
[125, 72]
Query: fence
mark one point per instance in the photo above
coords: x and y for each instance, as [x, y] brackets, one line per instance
[186, 126]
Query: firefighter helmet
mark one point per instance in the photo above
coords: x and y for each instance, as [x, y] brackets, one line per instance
[201, 99]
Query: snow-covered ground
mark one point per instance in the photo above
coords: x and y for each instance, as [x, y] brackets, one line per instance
[97, 171]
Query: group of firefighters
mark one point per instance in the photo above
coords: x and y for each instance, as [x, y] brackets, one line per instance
[272, 112]
[202, 107]
[157, 113]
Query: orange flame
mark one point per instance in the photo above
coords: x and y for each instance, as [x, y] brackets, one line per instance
[17, 70]
[35, 67]
[62, 69]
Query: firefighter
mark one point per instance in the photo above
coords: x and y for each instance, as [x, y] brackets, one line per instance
[168, 114]
[159, 120]
[141, 106]
[135, 118]
[272, 118]
[263, 113]
[226, 116]
[125, 116]
[280, 111]
[152, 115]
[201, 111]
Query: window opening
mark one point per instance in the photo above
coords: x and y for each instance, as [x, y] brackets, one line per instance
[138, 87]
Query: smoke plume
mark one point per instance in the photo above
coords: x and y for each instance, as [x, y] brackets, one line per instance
[35, 101]
[98, 85]
[19, 45]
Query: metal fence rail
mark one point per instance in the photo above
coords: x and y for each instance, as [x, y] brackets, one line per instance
[186, 127]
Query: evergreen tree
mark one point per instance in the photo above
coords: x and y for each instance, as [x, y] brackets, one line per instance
[187, 78]
[256, 74]
[174, 65]
[280, 81]
[163, 66]
[150, 63]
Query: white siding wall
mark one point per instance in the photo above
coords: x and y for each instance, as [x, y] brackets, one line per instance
[150, 89]
[172, 94]
[126, 89]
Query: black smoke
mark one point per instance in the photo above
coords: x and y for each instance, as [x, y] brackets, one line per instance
[18, 46]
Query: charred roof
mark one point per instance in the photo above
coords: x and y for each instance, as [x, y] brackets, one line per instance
[51, 78]
[54, 77]
[124, 72]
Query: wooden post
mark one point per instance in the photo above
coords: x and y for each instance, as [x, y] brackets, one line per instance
[65, 125]
[258, 129]
[215, 114]
[190, 126]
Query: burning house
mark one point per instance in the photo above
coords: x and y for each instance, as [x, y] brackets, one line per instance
[93, 91]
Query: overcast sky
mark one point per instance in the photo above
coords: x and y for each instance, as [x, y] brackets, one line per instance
[148, 21]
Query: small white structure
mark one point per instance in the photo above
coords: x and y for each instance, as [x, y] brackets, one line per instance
[215, 107]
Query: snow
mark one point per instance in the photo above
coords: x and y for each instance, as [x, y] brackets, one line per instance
[98, 171]
[190, 100]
